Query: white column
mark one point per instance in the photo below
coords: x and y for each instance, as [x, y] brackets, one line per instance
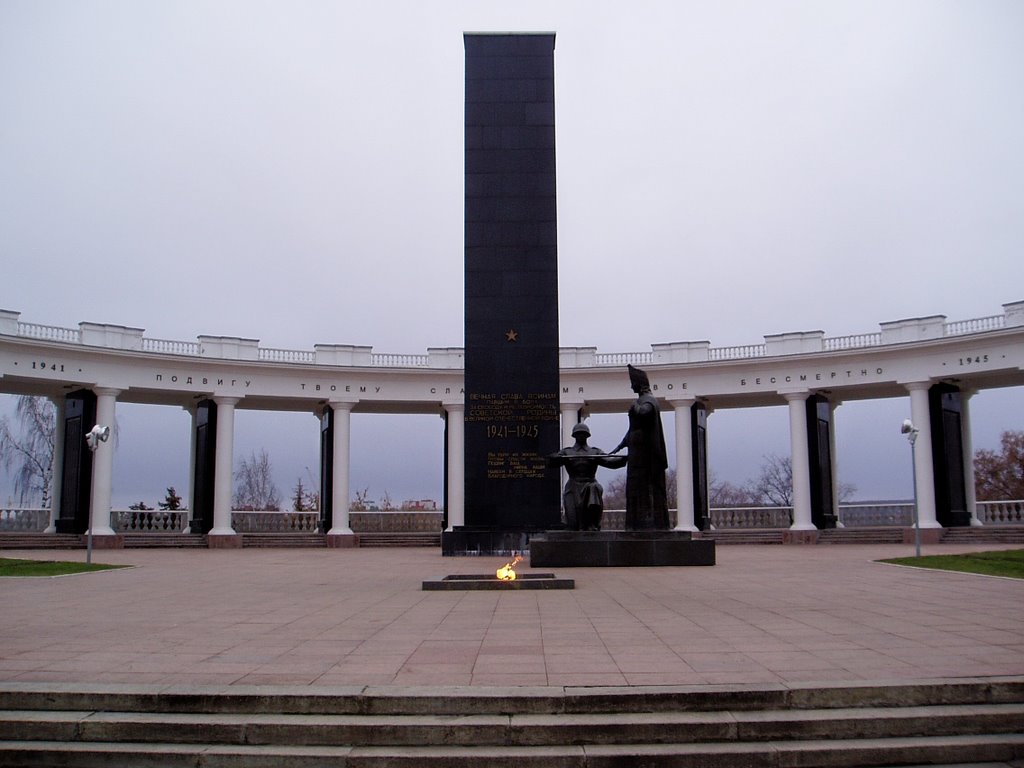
[57, 480]
[968, 444]
[340, 500]
[799, 461]
[923, 467]
[223, 474]
[832, 406]
[456, 464]
[684, 464]
[102, 464]
[189, 496]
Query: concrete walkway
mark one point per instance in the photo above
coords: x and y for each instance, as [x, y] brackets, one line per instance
[319, 617]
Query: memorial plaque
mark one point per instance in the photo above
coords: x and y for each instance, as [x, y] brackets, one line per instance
[511, 285]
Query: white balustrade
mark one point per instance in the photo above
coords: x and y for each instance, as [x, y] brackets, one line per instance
[736, 353]
[1001, 512]
[751, 517]
[171, 347]
[301, 357]
[149, 520]
[899, 513]
[398, 361]
[33, 520]
[245, 349]
[855, 341]
[624, 358]
[977, 325]
[50, 333]
[275, 522]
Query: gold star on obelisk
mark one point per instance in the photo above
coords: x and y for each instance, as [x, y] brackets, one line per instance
[511, 335]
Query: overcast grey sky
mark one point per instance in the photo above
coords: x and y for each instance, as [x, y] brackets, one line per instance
[292, 172]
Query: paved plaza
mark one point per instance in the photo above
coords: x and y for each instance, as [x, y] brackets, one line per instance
[319, 617]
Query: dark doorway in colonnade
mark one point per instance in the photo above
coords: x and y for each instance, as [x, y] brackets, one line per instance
[205, 467]
[946, 416]
[699, 439]
[327, 470]
[819, 456]
[76, 473]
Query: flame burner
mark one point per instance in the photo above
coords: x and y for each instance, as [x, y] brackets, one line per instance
[491, 581]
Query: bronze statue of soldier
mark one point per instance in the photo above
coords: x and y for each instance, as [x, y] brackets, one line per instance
[647, 460]
[583, 497]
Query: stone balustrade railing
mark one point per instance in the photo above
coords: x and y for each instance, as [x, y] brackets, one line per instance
[24, 520]
[899, 513]
[148, 520]
[896, 514]
[234, 348]
[751, 517]
[1001, 512]
[275, 522]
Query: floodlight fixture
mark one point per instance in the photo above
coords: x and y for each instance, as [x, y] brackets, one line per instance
[97, 435]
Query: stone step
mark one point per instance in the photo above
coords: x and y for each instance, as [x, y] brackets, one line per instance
[380, 539]
[519, 700]
[990, 534]
[854, 724]
[161, 540]
[838, 753]
[744, 536]
[304, 540]
[861, 536]
[41, 541]
[512, 730]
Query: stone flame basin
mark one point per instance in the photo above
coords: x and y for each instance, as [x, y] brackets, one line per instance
[490, 581]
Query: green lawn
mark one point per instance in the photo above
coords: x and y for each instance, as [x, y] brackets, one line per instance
[1008, 563]
[12, 567]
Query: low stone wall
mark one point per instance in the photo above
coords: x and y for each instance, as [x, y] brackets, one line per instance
[395, 522]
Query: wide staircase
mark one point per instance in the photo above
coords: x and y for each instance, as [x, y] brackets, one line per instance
[917, 723]
[411, 539]
[745, 535]
[284, 540]
[22, 540]
[164, 540]
[988, 534]
[876, 535]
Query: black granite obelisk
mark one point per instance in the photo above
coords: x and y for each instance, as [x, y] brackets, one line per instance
[511, 294]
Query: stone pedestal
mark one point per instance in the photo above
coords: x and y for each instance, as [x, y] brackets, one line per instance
[224, 541]
[480, 540]
[625, 549]
[106, 541]
[342, 540]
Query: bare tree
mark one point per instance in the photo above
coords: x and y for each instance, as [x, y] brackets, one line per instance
[27, 451]
[255, 489]
[1000, 476]
[775, 483]
[615, 491]
[722, 493]
[304, 500]
[361, 502]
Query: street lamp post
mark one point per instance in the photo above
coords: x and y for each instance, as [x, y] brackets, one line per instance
[911, 432]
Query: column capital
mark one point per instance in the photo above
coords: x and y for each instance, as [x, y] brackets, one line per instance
[226, 400]
[917, 386]
[682, 402]
[454, 407]
[794, 397]
[342, 405]
[106, 391]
